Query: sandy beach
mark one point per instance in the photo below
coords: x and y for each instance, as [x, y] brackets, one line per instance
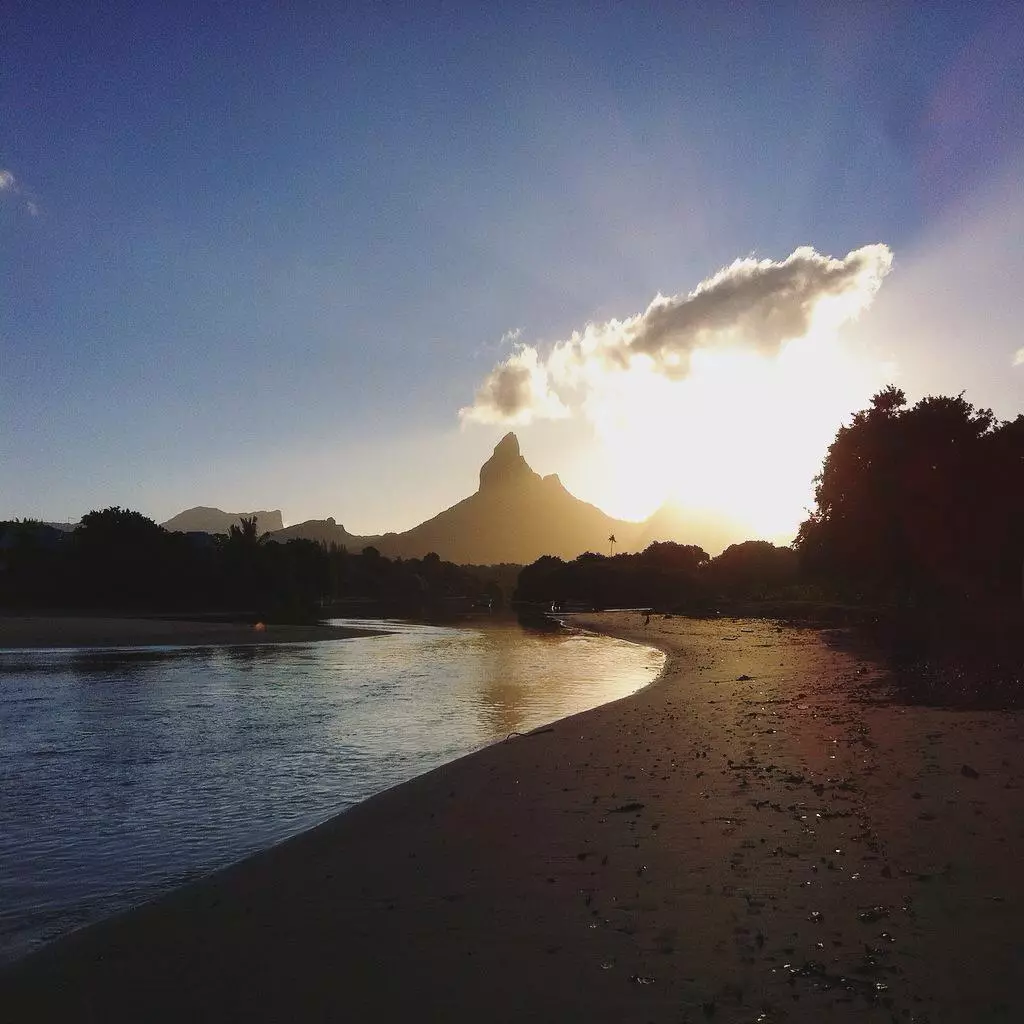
[18, 631]
[758, 836]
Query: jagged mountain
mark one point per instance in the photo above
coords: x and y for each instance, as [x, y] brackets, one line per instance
[516, 515]
[213, 520]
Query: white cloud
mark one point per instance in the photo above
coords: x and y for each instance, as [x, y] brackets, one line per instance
[517, 391]
[1018, 359]
[758, 305]
[10, 184]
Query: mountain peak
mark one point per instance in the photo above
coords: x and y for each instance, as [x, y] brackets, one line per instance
[508, 445]
[506, 465]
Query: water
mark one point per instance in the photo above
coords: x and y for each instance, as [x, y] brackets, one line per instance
[125, 772]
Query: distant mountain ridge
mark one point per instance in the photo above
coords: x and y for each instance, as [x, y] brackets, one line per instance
[515, 515]
[324, 531]
[202, 519]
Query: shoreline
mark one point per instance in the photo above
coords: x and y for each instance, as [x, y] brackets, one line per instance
[56, 632]
[510, 712]
[744, 836]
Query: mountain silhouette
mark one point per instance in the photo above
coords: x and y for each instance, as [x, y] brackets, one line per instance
[515, 515]
[324, 531]
[212, 520]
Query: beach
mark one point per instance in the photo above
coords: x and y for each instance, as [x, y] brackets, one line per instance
[761, 835]
[56, 631]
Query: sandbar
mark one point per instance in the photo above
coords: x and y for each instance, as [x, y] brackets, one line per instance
[758, 836]
[57, 631]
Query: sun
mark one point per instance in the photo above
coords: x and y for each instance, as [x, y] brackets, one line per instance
[741, 437]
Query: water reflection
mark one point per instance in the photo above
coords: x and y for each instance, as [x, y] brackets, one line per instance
[504, 694]
[248, 656]
[122, 772]
[125, 661]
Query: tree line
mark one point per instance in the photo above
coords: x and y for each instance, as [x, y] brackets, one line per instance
[118, 560]
[664, 575]
[914, 506]
[923, 503]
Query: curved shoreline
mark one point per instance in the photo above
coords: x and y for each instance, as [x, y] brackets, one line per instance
[543, 693]
[728, 841]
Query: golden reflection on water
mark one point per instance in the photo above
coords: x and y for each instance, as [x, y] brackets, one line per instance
[514, 679]
[502, 695]
[193, 757]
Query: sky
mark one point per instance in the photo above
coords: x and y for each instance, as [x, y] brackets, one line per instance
[298, 256]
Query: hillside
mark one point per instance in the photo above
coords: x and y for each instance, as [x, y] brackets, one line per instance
[212, 520]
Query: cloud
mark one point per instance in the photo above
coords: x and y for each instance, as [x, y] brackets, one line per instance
[758, 305]
[1018, 358]
[517, 391]
[9, 184]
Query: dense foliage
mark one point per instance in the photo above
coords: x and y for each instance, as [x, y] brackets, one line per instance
[117, 559]
[663, 575]
[925, 502]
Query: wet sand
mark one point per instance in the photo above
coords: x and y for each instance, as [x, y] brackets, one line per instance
[753, 838]
[108, 631]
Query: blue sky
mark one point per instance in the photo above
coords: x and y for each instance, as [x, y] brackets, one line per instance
[262, 257]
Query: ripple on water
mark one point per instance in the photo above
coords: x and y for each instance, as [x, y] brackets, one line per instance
[124, 773]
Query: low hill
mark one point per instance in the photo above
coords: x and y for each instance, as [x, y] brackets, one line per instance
[212, 520]
[324, 531]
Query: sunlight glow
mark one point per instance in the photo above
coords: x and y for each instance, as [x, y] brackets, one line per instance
[722, 399]
[743, 436]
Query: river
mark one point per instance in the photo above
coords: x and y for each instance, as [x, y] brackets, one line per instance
[126, 772]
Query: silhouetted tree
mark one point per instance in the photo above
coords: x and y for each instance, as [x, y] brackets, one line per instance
[33, 564]
[925, 501]
[246, 533]
[623, 580]
[670, 555]
[752, 569]
[120, 559]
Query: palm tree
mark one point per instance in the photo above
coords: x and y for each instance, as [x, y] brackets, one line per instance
[611, 544]
[247, 564]
[247, 535]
